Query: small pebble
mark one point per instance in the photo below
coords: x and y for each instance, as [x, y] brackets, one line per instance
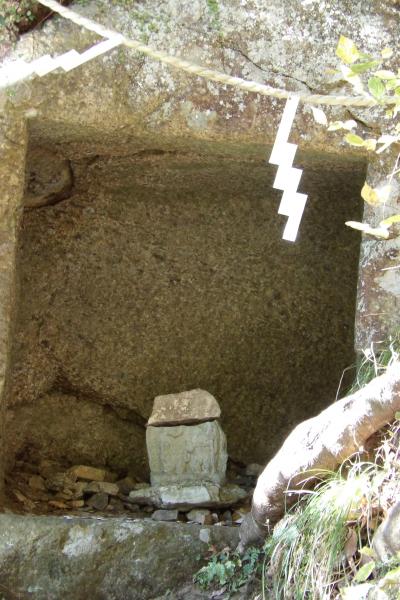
[57, 504]
[165, 515]
[98, 501]
[226, 517]
[36, 482]
[199, 515]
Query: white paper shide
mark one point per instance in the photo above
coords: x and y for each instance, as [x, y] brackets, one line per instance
[288, 177]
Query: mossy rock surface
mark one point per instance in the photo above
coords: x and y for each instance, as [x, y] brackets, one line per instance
[78, 558]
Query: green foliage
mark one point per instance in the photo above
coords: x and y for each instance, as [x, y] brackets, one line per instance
[213, 8]
[306, 552]
[323, 543]
[375, 360]
[367, 78]
[381, 83]
[13, 13]
[229, 571]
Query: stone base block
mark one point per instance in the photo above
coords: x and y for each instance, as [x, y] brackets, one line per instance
[185, 497]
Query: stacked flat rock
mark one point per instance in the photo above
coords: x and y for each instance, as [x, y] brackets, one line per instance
[187, 454]
[186, 408]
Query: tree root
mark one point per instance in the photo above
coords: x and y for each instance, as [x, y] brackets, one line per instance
[320, 443]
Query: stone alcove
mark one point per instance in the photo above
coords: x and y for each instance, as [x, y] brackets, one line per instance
[152, 261]
[158, 267]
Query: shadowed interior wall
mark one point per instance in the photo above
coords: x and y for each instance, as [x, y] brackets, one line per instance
[164, 271]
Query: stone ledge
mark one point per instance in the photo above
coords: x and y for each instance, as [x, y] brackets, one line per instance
[49, 558]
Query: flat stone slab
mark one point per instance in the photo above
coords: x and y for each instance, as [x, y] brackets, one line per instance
[187, 454]
[88, 473]
[185, 497]
[185, 408]
[49, 558]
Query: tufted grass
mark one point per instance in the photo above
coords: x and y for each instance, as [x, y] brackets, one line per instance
[373, 362]
[306, 555]
[322, 542]
[318, 547]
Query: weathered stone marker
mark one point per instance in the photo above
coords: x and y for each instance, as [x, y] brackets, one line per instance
[181, 453]
[187, 454]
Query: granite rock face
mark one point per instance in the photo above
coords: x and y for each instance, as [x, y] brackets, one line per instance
[386, 541]
[186, 408]
[50, 558]
[165, 269]
[48, 179]
[184, 454]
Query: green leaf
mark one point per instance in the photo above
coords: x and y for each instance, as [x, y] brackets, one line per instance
[386, 52]
[372, 196]
[387, 223]
[346, 50]
[366, 551]
[370, 144]
[391, 578]
[354, 140]
[392, 84]
[364, 572]
[397, 416]
[376, 87]
[363, 67]
[384, 74]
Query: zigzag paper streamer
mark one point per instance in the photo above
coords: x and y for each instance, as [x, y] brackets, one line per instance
[20, 70]
[288, 177]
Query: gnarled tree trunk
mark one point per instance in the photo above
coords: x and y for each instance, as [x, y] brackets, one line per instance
[322, 442]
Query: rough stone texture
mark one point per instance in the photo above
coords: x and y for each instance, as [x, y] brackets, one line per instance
[378, 298]
[386, 541]
[186, 496]
[88, 473]
[165, 515]
[129, 288]
[49, 558]
[186, 408]
[198, 515]
[166, 270]
[74, 430]
[103, 486]
[48, 179]
[187, 453]
[13, 144]
[207, 495]
[386, 588]
[290, 45]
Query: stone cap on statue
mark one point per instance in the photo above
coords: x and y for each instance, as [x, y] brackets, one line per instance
[185, 408]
